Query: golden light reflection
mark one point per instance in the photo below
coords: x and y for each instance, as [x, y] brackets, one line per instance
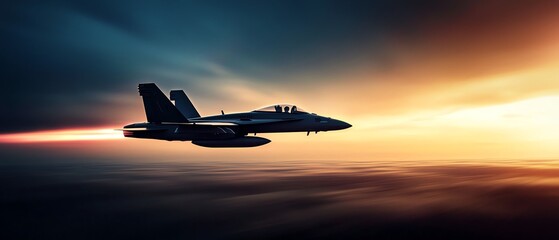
[62, 135]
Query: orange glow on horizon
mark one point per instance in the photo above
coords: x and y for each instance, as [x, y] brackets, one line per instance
[61, 135]
[510, 115]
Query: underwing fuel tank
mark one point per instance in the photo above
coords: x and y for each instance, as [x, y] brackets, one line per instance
[235, 142]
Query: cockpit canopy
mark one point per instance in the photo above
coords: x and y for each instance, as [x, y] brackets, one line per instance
[281, 108]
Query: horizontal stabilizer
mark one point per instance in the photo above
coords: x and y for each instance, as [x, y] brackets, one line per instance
[142, 129]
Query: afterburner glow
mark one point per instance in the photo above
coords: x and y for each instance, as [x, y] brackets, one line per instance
[61, 135]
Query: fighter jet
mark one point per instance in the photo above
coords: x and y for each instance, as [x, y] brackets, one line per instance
[182, 122]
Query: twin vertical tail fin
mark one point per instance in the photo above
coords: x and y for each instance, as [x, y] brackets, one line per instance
[158, 107]
[183, 104]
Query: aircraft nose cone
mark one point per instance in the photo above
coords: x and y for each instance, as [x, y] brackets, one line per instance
[345, 125]
[339, 125]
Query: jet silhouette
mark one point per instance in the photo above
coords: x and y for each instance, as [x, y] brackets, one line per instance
[181, 122]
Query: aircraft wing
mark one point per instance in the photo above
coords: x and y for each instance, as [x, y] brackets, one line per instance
[242, 122]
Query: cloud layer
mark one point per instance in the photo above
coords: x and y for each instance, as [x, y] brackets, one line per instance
[280, 199]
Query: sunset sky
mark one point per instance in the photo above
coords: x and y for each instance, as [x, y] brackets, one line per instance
[430, 80]
[454, 107]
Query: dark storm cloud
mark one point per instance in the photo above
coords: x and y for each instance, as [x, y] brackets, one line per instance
[292, 199]
[60, 59]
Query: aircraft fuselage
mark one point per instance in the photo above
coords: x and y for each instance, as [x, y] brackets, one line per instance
[226, 130]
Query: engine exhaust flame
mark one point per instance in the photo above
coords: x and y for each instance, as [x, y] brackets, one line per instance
[62, 135]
